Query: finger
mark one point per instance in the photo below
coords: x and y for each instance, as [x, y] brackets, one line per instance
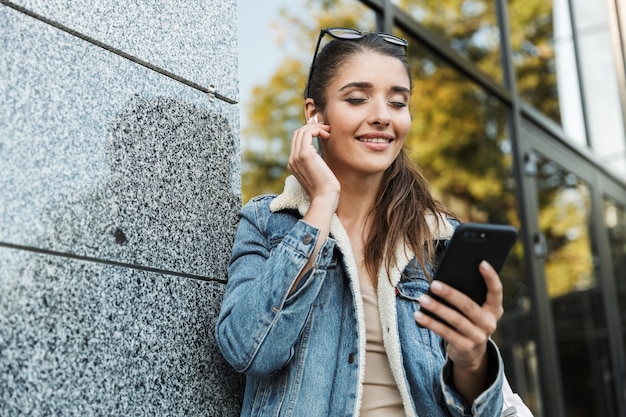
[305, 138]
[461, 335]
[300, 139]
[494, 289]
[492, 279]
[483, 319]
[304, 161]
[432, 323]
[454, 297]
[461, 332]
[449, 315]
[492, 304]
[295, 145]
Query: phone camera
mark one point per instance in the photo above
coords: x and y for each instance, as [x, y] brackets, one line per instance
[472, 235]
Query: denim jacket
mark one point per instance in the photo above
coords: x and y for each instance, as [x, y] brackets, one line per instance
[303, 353]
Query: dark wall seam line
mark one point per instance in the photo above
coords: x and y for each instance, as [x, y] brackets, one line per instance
[209, 91]
[109, 262]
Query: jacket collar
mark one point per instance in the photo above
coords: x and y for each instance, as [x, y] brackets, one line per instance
[294, 197]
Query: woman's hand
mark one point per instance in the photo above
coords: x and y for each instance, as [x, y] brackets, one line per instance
[307, 165]
[467, 341]
[319, 182]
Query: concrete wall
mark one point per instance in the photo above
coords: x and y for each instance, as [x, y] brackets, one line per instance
[119, 194]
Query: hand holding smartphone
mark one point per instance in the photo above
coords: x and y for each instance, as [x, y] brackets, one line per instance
[471, 244]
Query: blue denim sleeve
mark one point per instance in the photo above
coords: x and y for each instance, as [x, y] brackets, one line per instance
[489, 403]
[260, 322]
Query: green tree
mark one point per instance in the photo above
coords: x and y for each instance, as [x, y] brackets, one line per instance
[274, 114]
[532, 41]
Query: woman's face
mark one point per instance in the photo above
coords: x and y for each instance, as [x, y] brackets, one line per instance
[368, 114]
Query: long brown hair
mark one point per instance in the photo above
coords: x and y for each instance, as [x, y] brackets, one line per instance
[402, 204]
[404, 198]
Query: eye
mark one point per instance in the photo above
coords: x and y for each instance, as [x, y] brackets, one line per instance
[355, 100]
[398, 100]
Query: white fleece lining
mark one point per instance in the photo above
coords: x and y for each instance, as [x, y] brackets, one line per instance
[343, 242]
[294, 197]
[389, 322]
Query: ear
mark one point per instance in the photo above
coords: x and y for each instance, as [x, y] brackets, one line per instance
[309, 109]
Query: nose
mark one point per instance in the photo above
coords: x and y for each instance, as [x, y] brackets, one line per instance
[380, 114]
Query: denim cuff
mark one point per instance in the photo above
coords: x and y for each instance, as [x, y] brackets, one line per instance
[302, 238]
[489, 402]
[324, 257]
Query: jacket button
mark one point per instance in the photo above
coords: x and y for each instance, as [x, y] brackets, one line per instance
[306, 239]
[351, 358]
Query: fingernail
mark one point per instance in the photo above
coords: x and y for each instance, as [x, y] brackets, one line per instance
[424, 300]
[418, 315]
[436, 285]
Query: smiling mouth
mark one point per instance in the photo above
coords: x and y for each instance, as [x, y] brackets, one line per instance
[375, 140]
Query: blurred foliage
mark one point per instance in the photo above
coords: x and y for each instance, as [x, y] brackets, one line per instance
[469, 26]
[564, 203]
[273, 115]
[532, 42]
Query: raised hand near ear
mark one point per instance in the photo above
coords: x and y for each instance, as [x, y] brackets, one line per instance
[317, 179]
[308, 166]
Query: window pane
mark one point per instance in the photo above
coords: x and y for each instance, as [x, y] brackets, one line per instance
[544, 61]
[601, 87]
[470, 27]
[615, 222]
[577, 304]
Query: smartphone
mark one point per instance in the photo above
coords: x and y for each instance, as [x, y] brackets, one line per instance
[471, 244]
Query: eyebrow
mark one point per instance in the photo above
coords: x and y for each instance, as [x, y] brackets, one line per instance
[365, 85]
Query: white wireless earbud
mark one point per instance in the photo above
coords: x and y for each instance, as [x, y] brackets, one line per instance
[315, 119]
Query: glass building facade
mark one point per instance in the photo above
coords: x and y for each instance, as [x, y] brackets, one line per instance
[519, 118]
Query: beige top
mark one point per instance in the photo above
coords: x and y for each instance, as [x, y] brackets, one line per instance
[380, 392]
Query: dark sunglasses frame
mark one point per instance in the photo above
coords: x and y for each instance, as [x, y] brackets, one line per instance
[349, 34]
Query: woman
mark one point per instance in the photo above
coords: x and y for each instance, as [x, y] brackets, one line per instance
[326, 281]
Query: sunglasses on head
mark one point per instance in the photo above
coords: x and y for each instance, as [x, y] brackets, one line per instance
[351, 35]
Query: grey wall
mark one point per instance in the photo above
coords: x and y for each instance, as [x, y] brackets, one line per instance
[119, 196]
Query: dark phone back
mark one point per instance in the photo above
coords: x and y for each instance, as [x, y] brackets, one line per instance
[472, 243]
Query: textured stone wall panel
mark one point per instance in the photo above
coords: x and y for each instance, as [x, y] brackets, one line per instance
[119, 198]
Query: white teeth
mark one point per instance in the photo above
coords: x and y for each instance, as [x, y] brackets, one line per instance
[374, 140]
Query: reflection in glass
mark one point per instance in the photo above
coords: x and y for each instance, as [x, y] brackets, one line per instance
[577, 304]
[469, 26]
[460, 141]
[545, 62]
[600, 83]
[615, 222]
